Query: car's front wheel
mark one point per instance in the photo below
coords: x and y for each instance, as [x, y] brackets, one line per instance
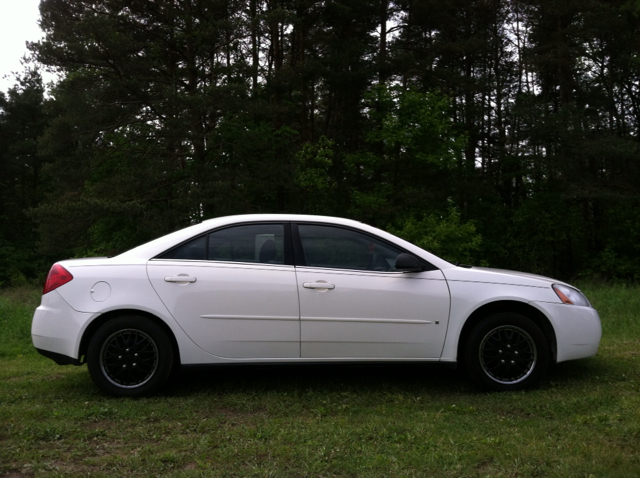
[130, 356]
[507, 351]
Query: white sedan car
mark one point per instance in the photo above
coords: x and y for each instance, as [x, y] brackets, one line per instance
[293, 289]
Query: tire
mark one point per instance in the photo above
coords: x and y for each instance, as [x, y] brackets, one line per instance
[130, 356]
[507, 351]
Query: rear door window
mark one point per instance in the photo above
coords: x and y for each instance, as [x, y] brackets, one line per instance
[257, 243]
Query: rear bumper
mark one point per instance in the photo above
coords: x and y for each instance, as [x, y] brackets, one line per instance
[55, 329]
[59, 358]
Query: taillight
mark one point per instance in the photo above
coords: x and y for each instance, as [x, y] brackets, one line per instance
[58, 276]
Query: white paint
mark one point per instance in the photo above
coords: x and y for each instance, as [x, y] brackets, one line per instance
[250, 312]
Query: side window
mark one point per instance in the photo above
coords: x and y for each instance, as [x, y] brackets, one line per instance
[262, 243]
[259, 243]
[337, 248]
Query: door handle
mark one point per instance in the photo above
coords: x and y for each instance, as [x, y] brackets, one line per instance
[180, 279]
[318, 285]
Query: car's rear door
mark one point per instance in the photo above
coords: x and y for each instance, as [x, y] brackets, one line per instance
[233, 291]
[353, 304]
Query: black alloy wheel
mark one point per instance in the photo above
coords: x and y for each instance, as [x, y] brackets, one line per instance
[507, 352]
[130, 356]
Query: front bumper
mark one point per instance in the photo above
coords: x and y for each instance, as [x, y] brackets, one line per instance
[578, 329]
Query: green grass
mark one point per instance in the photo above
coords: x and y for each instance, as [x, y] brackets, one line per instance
[583, 420]
[16, 310]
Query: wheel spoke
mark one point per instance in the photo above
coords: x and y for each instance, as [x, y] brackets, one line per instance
[129, 358]
[508, 354]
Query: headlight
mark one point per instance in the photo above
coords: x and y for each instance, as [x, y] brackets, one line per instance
[569, 295]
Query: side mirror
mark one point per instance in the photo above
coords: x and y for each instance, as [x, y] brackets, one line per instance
[408, 263]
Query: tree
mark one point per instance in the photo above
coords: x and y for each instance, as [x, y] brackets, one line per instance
[522, 118]
[22, 120]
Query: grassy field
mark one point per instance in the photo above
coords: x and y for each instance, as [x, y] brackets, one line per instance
[582, 421]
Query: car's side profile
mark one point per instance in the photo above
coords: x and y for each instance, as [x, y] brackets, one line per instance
[293, 288]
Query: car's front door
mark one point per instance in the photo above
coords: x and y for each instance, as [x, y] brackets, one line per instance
[233, 291]
[354, 304]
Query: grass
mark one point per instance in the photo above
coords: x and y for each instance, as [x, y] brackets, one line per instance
[582, 421]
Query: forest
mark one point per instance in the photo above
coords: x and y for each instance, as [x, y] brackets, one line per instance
[501, 133]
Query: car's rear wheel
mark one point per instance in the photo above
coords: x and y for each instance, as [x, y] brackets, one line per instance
[130, 356]
[507, 351]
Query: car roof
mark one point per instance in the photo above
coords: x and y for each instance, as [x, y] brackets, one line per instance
[157, 246]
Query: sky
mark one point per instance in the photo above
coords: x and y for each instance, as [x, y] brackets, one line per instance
[18, 24]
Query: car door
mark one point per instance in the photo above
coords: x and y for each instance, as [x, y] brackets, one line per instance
[233, 291]
[354, 304]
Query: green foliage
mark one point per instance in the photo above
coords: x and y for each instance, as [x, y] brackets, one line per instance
[251, 171]
[444, 235]
[523, 114]
[618, 258]
[23, 118]
[410, 160]
[613, 266]
[314, 164]
[416, 128]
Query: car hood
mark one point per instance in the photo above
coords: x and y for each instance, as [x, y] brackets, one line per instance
[498, 276]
